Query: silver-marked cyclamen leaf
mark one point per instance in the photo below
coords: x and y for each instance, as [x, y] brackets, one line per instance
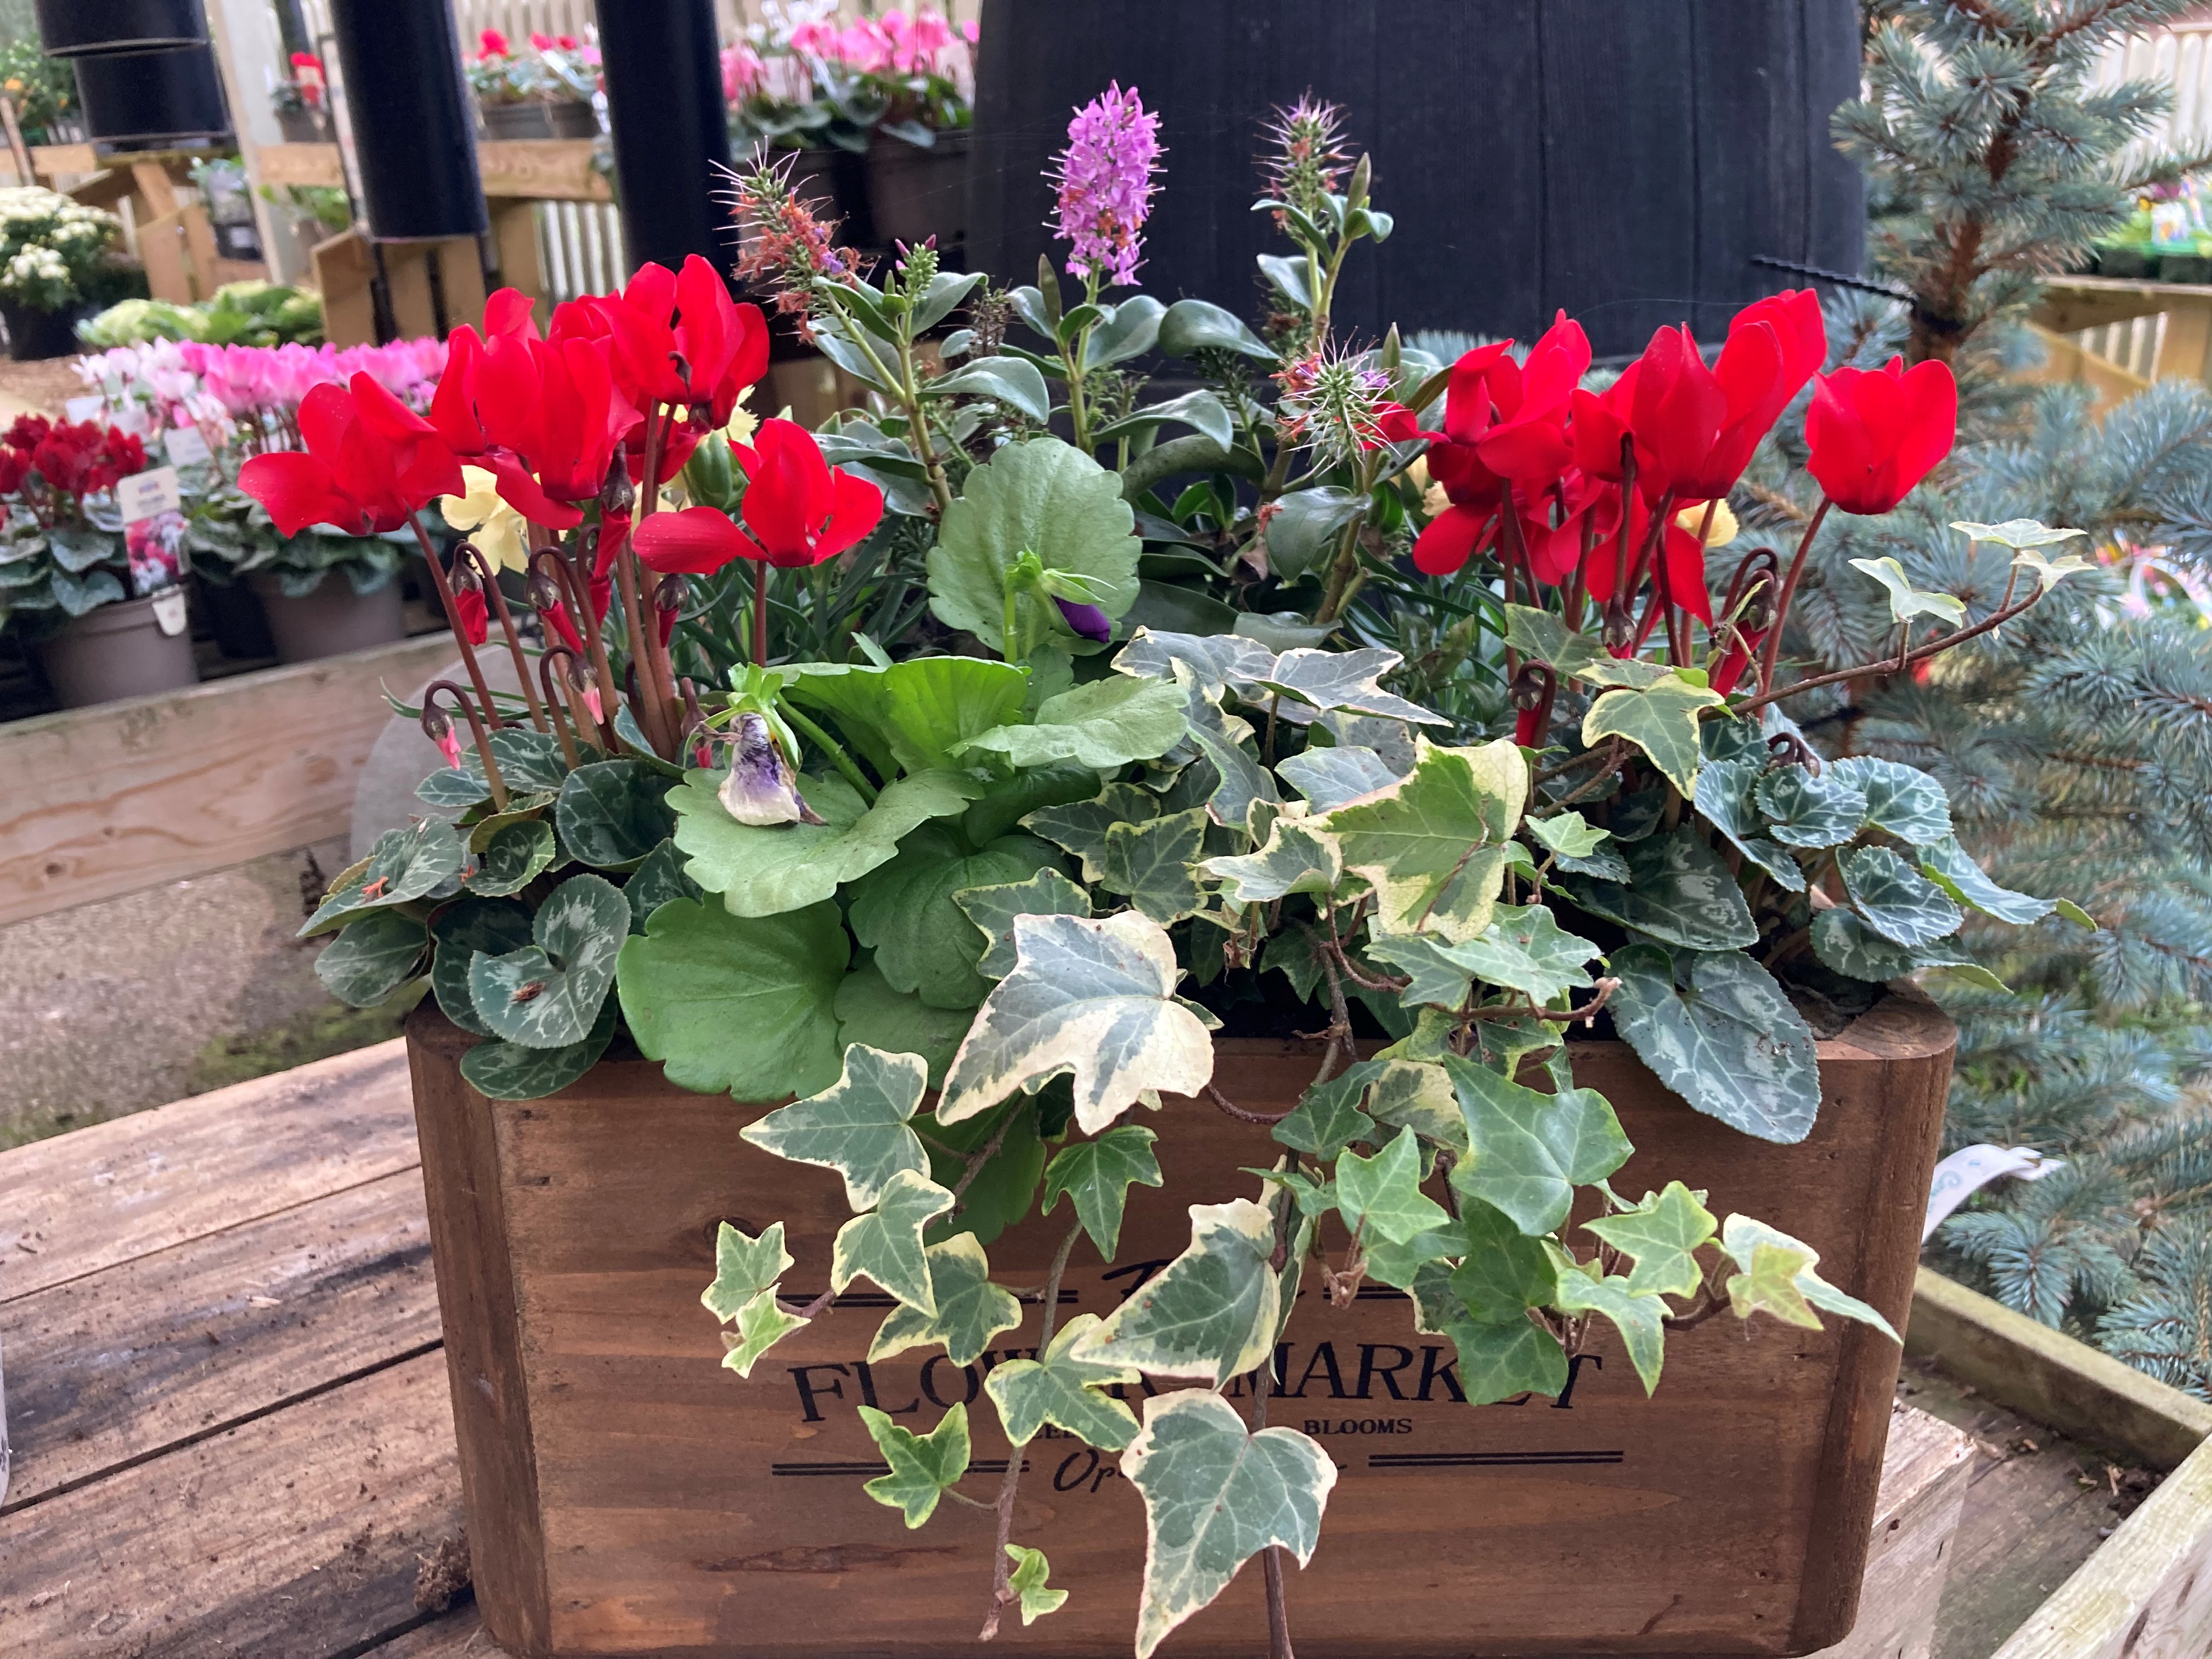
[993, 909]
[1947, 864]
[510, 1070]
[404, 864]
[1902, 799]
[512, 858]
[1216, 1494]
[547, 994]
[1211, 1312]
[1063, 1390]
[372, 955]
[1845, 943]
[1808, 809]
[1678, 891]
[1896, 900]
[1727, 799]
[861, 1126]
[1732, 1045]
[612, 813]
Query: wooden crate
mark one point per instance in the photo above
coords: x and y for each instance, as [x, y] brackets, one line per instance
[629, 1496]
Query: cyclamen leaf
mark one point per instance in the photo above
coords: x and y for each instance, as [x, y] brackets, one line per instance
[1530, 1149]
[1679, 892]
[1896, 900]
[1096, 998]
[461, 929]
[970, 1308]
[922, 1466]
[512, 858]
[1210, 1313]
[1105, 724]
[1732, 1045]
[1216, 1494]
[1662, 1237]
[658, 878]
[885, 1244]
[1906, 601]
[612, 813]
[1081, 826]
[1742, 1237]
[1344, 681]
[1639, 1318]
[992, 909]
[1662, 721]
[1845, 943]
[1434, 843]
[1097, 1176]
[1727, 799]
[1902, 799]
[547, 994]
[861, 1126]
[1027, 1581]
[1156, 864]
[1947, 864]
[529, 760]
[1329, 777]
[404, 864]
[1297, 859]
[1063, 1390]
[1384, 1193]
[372, 955]
[510, 1070]
[1806, 809]
[1220, 737]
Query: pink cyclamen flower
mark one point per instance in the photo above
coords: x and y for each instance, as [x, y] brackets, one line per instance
[1106, 181]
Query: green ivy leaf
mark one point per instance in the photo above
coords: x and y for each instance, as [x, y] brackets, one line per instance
[922, 1466]
[461, 929]
[1080, 827]
[1064, 1391]
[1384, 1192]
[1155, 863]
[1297, 859]
[1727, 799]
[1327, 1117]
[1328, 778]
[1639, 1318]
[511, 1071]
[1096, 998]
[1678, 891]
[1906, 601]
[1946, 863]
[1496, 1362]
[512, 858]
[1662, 721]
[1027, 1582]
[768, 869]
[1569, 834]
[1346, 682]
[1662, 1237]
[992, 909]
[861, 1126]
[1744, 1239]
[1211, 1312]
[1433, 844]
[1522, 950]
[1902, 799]
[1216, 1494]
[738, 1005]
[1103, 723]
[970, 1308]
[1543, 637]
[1768, 1285]
[548, 993]
[1732, 1045]
[1504, 1272]
[1896, 900]
[885, 1244]
[1806, 809]
[372, 955]
[1531, 1150]
[1097, 1176]
[404, 864]
[658, 878]
[904, 911]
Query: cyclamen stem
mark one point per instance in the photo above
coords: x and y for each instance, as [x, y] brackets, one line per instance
[1001, 1590]
[476, 730]
[1896, 665]
[1769, 658]
[545, 660]
[656, 687]
[453, 616]
[488, 574]
[760, 613]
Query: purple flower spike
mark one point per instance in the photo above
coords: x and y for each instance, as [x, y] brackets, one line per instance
[1105, 180]
[761, 789]
[1087, 620]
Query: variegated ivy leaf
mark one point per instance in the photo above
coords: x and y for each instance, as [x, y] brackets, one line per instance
[1027, 1581]
[1433, 844]
[1216, 1494]
[1906, 601]
[1105, 724]
[404, 864]
[1727, 799]
[2048, 573]
[1896, 900]
[1947, 864]
[1297, 859]
[1221, 737]
[1902, 801]
[1568, 835]
[1219, 662]
[904, 911]
[1097, 1176]
[1063, 1390]
[1530, 1149]
[1080, 826]
[1730, 1042]
[1679, 890]
[1845, 943]
[922, 1466]
[746, 1272]
[1522, 950]
[1342, 682]
[1769, 1286]
[992, 909]
[1638, 1318]
[1661, 719]
[1416, 1095]
[885, 1244]
[547, 994]
[1542, 637]
[1096, 998]
[762, 1323]
[2018, 534]
[766, 870]
[859, 1126]
[1804, 808]
[1382, 1193]
[1662, 1237]
[1210, 1313]
[1742, 1237]
[1329, 777]
[970, 1308]
[1156, 864]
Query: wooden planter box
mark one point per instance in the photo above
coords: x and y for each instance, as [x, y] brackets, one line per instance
[626, 1495]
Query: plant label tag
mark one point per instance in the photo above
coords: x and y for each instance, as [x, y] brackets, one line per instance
[169, 610]
[148, 495]
[187, 447]
[84, 408]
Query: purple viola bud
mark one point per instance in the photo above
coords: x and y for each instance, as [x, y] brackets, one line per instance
[761, 789]
[1087, 620]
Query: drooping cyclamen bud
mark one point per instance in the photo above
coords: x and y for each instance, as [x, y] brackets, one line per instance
[440, 731]
[1757, 614]
[615, 495]
[1088, 620]
[761, 789]
[1619, 627]
[470, 614]
[545, 599]
[1528, 686]
[583, 688]
[668, 597]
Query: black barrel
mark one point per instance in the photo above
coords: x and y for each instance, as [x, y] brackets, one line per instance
[671, 129]
[413, 131]
[67, 28]
[153, 99]
[1628, 160]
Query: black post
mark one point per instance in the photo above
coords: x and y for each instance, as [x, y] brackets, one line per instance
[292, 27]
[672, 129]
[409, 109]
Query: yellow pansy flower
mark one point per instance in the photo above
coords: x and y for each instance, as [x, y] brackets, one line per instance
[1720, 533]
[500, 532]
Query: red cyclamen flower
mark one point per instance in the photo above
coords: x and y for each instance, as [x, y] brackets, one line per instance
[797, 511]
[371, 463]
[1873, 433]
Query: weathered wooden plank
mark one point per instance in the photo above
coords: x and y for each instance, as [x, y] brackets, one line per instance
[459, 1635]
[80, 1202]
[295, 1537]
[2050, 1378]
[122, 797]
[119, 1365]
[526, 169]
[2147, 1594]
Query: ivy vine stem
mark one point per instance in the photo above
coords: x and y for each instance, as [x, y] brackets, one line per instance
[1009, 1483]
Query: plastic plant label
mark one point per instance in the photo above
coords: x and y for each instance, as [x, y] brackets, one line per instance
[150, 494]
[169, 610]
[187, 447]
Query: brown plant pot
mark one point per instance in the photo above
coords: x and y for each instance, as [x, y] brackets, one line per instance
[915, 193]
[330, 619]
[119, 650]
[625, 1494]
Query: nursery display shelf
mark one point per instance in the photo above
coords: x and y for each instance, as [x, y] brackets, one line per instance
[228, 1406]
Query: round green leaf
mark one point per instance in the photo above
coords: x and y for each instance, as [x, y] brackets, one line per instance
[903, 911]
